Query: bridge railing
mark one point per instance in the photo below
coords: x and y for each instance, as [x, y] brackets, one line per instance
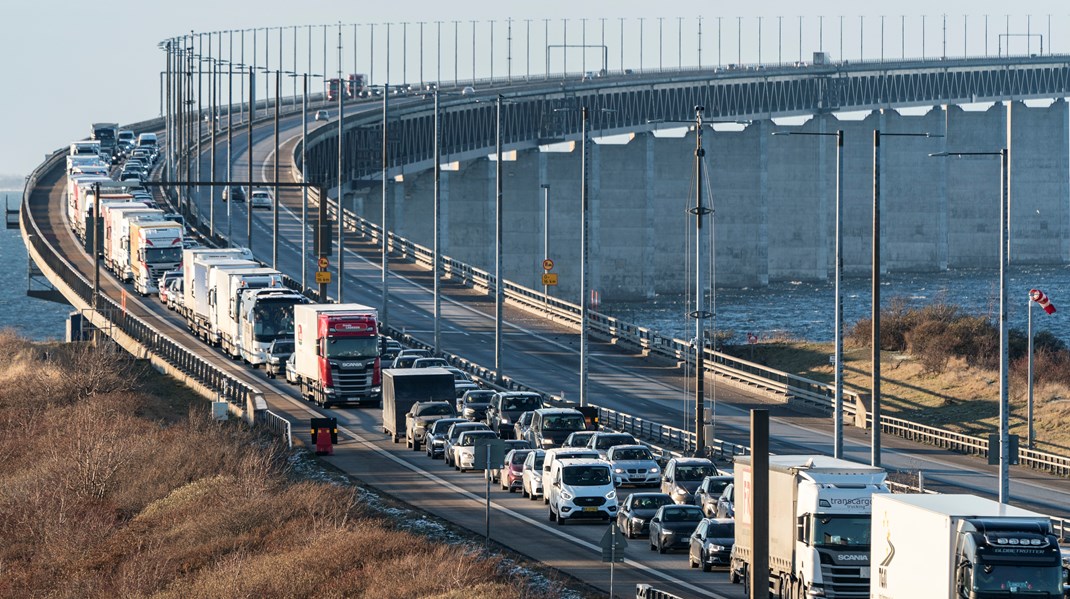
[223, 384]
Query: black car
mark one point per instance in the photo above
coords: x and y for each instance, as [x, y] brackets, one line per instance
[435, 436]
[711, 544]
[277, 354]
[637, 510]
[578, 439]
[473, 405]
[234, 192]
[506, 407]
[672, 527]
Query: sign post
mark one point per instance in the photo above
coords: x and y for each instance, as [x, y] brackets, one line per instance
[612, 544]
[488, 453]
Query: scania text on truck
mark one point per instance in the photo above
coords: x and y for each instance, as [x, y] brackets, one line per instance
[336, 353]
[961, 547]
[155, 248]
[819, 525]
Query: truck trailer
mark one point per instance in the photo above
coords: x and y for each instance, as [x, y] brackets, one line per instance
[819, 525]
[336, 353]
[403, 387]
[196, 283]
[961, 546]
[117, 234]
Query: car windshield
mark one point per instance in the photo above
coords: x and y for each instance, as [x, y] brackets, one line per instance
[1011, 579]
[351, 347]
[519, 456]
[435, 410]
[432, 362]
[721, 531]
[477, 400]
[841, 531]
[282, 347]
[636, 453]
[607, 441]
[470, 439]
[567, 422]
[526, 402]
[585, 476]
[651, 502]
[579, 439]
[698, 472]
[441, 426]
[717, 486]
[163, 255]
[273, 319]
[682, 515]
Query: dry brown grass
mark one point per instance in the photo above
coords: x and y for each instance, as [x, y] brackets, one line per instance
[104, 493]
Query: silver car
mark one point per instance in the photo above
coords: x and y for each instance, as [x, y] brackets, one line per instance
[634, 465]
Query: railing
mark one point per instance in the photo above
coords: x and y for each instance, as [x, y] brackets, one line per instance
[279, 425]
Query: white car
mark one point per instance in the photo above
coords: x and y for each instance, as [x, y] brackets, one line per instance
[261, 198]
[464, 451]
[291, 370]
[634, 465]
[322, 115]
[531, 478]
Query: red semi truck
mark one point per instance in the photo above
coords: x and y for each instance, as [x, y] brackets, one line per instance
[336, 354]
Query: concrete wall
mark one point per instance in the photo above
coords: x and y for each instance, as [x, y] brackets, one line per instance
[774, 201]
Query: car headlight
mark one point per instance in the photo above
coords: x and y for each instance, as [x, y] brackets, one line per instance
[639, 521]
[655, 470]
[715, 547]
[536, 477]
[504, 420]
[611, 495]
[679, 491]
[618, 470]
[567, 496]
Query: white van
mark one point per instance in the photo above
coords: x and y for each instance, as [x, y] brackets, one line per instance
[562, 453]
[581, 489]
[146, 140]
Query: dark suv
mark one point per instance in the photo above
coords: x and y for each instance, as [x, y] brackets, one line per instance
[277, 354]
[506, 407]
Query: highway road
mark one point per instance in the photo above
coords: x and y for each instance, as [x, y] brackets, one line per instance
[539, 354]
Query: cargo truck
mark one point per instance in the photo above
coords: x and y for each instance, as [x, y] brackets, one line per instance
[106, 134]
[819, 525]
[117, 221]
[961, 546]
[225, 288]
[195, 277]
[336, 353]
[403, 387]
[155, 248]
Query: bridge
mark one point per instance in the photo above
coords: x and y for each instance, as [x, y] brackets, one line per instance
[635, 376]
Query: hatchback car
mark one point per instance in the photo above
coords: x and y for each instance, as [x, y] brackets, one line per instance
[435, 436]
[430, 363]
[506, 407]
[578, 439]
[261, 198]
[726, 505]
[278, 353]
[684, 475]
[637, 510]
[511, 474]
[464, 450]
[480, 396]
[711, 544]
[672, 527]
[602, 441]
[473, 405]
[520, 429]
[453, 433]
[531, 475]
[291, 370]
[164, 282]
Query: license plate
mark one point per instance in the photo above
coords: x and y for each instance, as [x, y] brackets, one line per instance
[590, 509]
[864, 571]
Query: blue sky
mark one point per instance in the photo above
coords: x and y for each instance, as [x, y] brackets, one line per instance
[67, 64]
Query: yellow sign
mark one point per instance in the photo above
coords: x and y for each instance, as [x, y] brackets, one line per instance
[323, 263]
[549, 279]
[323, 277]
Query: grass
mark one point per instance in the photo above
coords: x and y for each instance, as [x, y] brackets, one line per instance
[961, 397]
[114, 482]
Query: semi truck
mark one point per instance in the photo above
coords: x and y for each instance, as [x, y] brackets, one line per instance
[336, 353]
[225, 288]
[963, 547]
[819, 525]
[267, 315]
[195, 279]
[155, 248]
[106, 134]
[235, 311]
[403, 387]
[117, 221]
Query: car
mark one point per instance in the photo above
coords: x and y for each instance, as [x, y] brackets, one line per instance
[130, 176]
[388, 349]
[430, 363]
[419, 418]
[261, 198]
[235, 192]
[562, 453]
[602, 441]
[634, 465]
[726, 506]
[404, 361]
[459, 376]
[455, 431]
[520, 429]
[510, 475]
[551, 426]
[672, 527]
[709, 492]
[464, 450]
[164, 281]
[468, 90]
[711, 544]
[578, 439]
[637, 510]
[435, 436]
[415, 351]
[473, 405]
[278, 353]
[506, 407]
[322, 115]
[581, 489]
[531, 475]
[462, 387]
[291, 370]
[175, 297]
[683, 476]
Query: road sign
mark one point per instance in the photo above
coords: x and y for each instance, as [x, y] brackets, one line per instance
[549, 279]
[547, 264]
[323, 263]
[613, 544]
[496, 457]
[323, 277]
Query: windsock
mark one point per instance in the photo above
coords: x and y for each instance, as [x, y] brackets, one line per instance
[1039, 297]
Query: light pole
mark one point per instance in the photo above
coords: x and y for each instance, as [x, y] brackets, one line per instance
[1004, 366]
[837, 443]
[436, 269]
[384, 311]
[545, 230]
[700, 314]
[498, 239]
[584, 247]
[341, 176]
[875, 305]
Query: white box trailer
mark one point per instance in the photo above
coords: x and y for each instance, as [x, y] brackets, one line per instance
[225, 287]
[191, 255]
[197, 309]
[117, 235]
[961, 546]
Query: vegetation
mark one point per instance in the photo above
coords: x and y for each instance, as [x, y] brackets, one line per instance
[940, 366]
[113, 482]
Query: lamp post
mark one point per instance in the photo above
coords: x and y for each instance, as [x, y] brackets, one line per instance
[700, 314]
[875, 305]
[1004, 408]
[436, 268]
[837, 443]
[249, 142]
[341, 177]
[545, 230]
[384, 311]
[498, 239]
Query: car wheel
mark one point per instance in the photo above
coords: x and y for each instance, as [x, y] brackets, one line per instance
[706, 567]
[552, 516]
[661, 548]
[462, 469]
[691, 562]
[652, 547]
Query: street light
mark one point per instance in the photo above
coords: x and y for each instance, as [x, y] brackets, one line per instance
[1004, 408]
[875, 305]
[837, 443]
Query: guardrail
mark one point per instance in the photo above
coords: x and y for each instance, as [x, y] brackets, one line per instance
[279, 425]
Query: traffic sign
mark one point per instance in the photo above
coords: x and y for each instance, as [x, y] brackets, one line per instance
[323, 277]
[549, 279]
[323, 263]
[488, 453]
[613, 544]
[547, 264]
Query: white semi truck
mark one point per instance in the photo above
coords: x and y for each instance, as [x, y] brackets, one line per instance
[195, 273]
[155, 248]
[819, 525]
[226, 288]
[117, 234]
[961, 547]
[266, 316]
